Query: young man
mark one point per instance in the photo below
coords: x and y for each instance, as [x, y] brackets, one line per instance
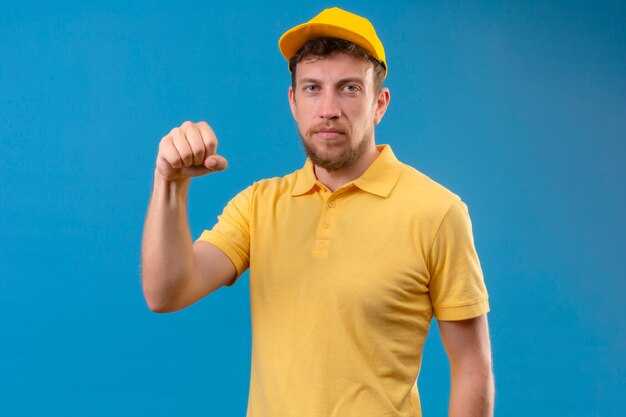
[349, 256]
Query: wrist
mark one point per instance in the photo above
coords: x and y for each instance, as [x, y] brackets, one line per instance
[170, 189]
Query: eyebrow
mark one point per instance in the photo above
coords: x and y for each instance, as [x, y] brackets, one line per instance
[309, 81]
[357, 80]
[341, 81]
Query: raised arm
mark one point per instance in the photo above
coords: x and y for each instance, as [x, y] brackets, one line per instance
[175, 272]
[469, 351]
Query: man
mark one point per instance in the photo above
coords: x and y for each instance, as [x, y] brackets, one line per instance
[349, 256]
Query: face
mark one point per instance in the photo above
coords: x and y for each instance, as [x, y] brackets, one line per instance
[336, 108]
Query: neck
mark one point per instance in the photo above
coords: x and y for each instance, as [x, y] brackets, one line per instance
[337, 179]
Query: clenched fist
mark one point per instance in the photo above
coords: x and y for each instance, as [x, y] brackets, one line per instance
[189, 151]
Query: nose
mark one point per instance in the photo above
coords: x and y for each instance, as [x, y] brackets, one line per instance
[329, 108]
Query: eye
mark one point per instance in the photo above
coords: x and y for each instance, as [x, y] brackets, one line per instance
[351, 88]
[310, 88]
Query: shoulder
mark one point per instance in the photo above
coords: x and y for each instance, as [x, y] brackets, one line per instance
[275, 184]
[418, 190]
[271, 188]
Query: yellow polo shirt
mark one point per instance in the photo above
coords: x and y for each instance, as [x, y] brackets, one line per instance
[343, 286]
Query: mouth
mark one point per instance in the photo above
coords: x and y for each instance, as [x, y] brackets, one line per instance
[328, 133]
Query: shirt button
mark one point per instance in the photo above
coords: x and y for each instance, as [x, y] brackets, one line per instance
[332, 204]
[326, 225]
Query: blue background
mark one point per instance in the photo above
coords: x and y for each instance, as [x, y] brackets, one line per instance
[517, 106]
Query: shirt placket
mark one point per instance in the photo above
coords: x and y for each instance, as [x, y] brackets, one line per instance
[327, 222]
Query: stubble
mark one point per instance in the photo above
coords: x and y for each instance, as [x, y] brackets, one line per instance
[346, 157]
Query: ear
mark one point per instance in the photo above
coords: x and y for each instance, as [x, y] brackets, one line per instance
[292, 101]
[382, 101]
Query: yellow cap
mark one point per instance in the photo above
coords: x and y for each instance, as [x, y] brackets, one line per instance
[335, 23]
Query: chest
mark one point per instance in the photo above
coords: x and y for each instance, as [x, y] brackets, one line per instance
[361, 253]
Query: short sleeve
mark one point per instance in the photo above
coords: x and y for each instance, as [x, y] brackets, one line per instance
[231, 233]
[457, 287]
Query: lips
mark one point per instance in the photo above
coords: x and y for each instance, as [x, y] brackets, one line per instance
[328, 132]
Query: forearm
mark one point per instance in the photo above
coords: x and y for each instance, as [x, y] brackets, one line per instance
[472, 391]
[167, 253]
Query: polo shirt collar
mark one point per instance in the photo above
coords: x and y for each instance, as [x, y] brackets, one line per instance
[382, 175]
[379, 178]
[305, 179]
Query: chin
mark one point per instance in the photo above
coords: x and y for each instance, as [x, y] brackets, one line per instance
[333, 159]
[333, 154]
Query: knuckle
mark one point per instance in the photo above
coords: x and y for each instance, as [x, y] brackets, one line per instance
[164, 144]
[187, 157]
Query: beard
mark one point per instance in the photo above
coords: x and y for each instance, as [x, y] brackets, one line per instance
[334, 155]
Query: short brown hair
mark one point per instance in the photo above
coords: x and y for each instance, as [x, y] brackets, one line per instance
[323, 47]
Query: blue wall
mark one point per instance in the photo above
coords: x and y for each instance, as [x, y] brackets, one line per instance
[517, 106]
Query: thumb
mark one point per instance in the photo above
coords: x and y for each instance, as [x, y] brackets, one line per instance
[215, 163]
